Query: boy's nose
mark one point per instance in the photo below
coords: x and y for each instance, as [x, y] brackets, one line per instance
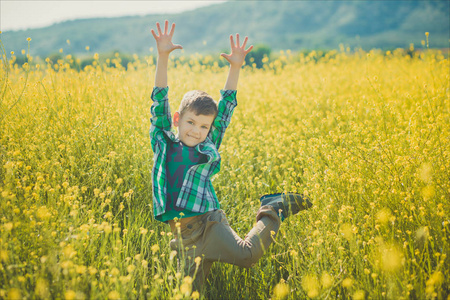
[196, 131]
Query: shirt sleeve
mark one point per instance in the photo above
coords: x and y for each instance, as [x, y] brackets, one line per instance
[161, 119]
[226, 106]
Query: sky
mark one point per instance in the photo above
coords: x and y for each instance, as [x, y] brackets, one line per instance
[21, 14]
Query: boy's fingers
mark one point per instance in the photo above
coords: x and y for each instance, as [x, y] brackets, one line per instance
[166, 26]
[154, 34]
[159, 28]
[237, 40]
[249, 49]
[178, 46]
[231, 41]
[245, 42]
[172, 29]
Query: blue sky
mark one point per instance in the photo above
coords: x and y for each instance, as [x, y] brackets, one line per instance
[20, 14]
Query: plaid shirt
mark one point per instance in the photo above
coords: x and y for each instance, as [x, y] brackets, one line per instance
[197, 193]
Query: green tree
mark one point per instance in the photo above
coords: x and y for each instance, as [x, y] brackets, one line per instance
[257, 55]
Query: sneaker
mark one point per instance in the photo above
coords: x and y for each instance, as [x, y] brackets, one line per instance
[286, 204]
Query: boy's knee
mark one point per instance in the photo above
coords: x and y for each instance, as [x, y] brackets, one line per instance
[251, 258]
[250, 261]
[268, 211]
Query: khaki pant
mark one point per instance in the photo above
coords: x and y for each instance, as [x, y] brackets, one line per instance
[211, 238]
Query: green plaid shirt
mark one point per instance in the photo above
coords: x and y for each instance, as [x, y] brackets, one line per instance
[197, 193]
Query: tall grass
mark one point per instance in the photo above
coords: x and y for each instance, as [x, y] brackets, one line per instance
[365, 135]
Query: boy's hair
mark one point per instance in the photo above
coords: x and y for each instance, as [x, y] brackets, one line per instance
[198, 102]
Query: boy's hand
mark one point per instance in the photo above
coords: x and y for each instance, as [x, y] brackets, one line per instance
[238, 53]
[164, 40]
[165, 46]
[236, 60]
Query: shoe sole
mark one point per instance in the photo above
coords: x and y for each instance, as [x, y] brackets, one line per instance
[302, 201]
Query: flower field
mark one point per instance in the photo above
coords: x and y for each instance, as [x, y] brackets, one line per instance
[365, 135]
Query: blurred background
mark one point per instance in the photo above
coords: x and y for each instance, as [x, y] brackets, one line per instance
[85, 27]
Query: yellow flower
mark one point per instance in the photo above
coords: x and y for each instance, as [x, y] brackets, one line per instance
[280, 291]
[391, 258]
[92, 270]
[185, 289]
[425, 172]
[436, 279]
[326, 280]
[8, 226]
[186, 286]
[14, 294]
[347, 282]
[155, 248]
[347, 232]
[188, 279]
[115, 272]
[359, 295]
[195, 295]
[131, 268]
[69, 252]
[311, 285]
[3, 255]
[80, 269]
[144, 263]
[70, 295]
[428, 192]
[42, 289]
[113, 295]
[383, 216]
[106, 227]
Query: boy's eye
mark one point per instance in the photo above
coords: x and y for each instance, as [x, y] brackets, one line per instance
[205, 127]
[190, 122]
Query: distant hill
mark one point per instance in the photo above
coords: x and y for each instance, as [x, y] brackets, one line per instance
[294, 25]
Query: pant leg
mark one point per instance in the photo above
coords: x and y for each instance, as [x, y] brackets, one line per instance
[188, 245]
[211, 238]
[222, 243]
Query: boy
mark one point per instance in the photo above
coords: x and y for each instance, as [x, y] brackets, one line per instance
[183, 195]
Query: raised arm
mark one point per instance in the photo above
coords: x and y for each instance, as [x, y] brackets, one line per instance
[236, 60]
[165, 46]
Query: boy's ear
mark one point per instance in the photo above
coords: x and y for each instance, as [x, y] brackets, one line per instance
[176, 119]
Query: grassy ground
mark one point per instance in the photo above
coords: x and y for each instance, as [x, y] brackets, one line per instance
[365, 135]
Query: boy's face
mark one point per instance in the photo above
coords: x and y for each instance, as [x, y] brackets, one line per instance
[192, 128]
